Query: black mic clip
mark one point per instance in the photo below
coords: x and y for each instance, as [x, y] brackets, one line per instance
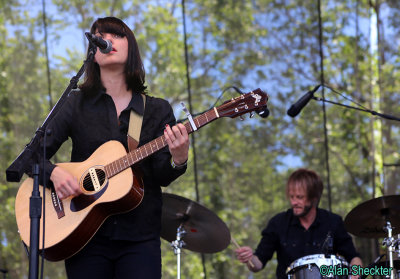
[327, 246]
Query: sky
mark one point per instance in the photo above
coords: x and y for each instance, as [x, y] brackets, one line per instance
[73, 38]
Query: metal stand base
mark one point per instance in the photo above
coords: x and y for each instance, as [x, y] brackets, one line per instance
[177, 245]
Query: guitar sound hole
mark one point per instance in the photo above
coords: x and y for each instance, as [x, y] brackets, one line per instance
[89, 183]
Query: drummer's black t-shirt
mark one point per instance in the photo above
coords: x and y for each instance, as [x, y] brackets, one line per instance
[285, 235]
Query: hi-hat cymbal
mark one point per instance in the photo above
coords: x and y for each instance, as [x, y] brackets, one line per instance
[205, 231]
[369, 218]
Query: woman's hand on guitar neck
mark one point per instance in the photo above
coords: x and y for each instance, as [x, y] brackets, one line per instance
[178, 142]
[65, 183]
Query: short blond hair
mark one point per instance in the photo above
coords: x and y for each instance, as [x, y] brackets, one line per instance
[308, 180]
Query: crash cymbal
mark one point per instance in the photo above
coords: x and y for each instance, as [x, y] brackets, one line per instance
[205, 231]
[369, 218]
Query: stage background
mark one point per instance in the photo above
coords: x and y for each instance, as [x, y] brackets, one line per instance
[242, 166]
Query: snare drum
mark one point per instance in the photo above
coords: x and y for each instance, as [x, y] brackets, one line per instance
[308, 267]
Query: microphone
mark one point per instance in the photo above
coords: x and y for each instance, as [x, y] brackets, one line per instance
[263, 112]
[295, 109]
[105, 46]
[327, 246]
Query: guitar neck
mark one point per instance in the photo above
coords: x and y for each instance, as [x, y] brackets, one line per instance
[153, 146]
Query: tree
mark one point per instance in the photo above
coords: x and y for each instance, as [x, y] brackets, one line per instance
[242, 166]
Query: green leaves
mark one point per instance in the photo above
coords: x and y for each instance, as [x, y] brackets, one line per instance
[242, 166]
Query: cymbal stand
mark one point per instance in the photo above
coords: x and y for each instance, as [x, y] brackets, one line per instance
[177, 245]
[389, 243]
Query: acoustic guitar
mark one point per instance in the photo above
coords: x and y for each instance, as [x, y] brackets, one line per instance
[108, 184]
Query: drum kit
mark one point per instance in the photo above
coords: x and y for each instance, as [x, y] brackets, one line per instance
[375, 218]
[187, 224]
[379, 218]
[309, 267]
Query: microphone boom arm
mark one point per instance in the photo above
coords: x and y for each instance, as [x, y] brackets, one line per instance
[386, 116]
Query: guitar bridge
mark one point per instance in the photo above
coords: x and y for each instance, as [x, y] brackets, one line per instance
[57, 204]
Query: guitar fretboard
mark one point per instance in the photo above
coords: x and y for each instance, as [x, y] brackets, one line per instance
[153, 146]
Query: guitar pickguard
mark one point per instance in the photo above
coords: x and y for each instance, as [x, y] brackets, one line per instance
[93, 183]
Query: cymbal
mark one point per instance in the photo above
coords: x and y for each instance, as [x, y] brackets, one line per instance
[205, 231]
[369, 218]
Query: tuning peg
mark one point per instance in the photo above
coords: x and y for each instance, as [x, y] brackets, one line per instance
[251, 114]
[241, 118]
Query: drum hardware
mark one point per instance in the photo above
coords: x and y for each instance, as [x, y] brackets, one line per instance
[308, 267]
[377, 218]
[397, 246]
[177, 245]
[370, 218]
[202, 230]
[389, 243]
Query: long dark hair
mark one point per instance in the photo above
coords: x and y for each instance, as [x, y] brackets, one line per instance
[134, 70]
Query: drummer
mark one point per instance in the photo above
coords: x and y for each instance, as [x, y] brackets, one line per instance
[300, 231]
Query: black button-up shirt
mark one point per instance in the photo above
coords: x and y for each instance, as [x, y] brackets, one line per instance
[90, 120]
[285, 235]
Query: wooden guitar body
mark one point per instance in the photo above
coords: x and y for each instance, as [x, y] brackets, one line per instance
[83, 215]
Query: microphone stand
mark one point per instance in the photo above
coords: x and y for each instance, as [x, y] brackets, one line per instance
[28, 162]
[386, 116]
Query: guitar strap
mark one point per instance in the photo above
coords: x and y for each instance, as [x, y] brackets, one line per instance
[135, 126]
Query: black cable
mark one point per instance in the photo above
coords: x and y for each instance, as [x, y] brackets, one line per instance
[215, 103]
[44, 145]
[47, 53]
[44, 201]
[189, 95]
[326, 143]
[192, 135]
[345, 97]
[223, 92]
[365, 109]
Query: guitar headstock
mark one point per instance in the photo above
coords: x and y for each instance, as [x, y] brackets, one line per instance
[252, 101]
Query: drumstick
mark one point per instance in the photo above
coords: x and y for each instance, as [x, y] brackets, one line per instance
[237, 246]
